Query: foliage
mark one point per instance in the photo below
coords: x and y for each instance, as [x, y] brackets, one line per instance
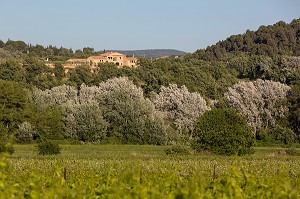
[3, 132]
[153, 53]
[145, 172]
[280, 38]
[55, 96]
[48, 123]
[292, 152]
[86, 123]
[59, 71]
[11, 71]
[206, 78]
[81, 74]
[48, 148]
[6, 147]
[107, 71]
[38, 74]
[14, 104]
[1, 44]
[178, 150]
[294, 106]
[276, 136]
[223, 132]
[261, 102]
[115, 108]
[180, 106]
[132, 118]
[25, 133]
[270, 53]
[16, 46]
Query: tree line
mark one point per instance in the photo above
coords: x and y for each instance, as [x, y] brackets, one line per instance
[280, 38]
[160, 102]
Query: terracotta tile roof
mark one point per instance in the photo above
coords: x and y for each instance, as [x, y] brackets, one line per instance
[76, 60]
[112, 54]
[96, 57]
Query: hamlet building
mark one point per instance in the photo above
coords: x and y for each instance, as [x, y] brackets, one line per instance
[118, 59]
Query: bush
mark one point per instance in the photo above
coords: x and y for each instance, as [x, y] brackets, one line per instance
[276, 136]
[48, 148]
[3, 131]
[6, 147]
[178, 150]
[292, 152]
[223, 132]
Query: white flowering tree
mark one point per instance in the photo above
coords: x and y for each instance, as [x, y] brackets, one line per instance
[259, 101]
[24, 133]
[116, 108]
[85, 123]
[59, 95]
[88, 94]
[132, 118]
[180, 106]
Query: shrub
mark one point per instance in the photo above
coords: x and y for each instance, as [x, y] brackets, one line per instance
[6, 147]
[3, 131]
[277, 135]
[178, 150]
[48, 148]
[292, 152]
[223, 132]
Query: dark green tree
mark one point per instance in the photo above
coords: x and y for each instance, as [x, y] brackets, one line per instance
[106, 71]
[38, 74]
[294, 106]
[12, 71]
[49, 123]
[3, 132]
[14, 105]
[81, 74]
[20, 46]
[1, 44]
[48, 148]
[223, 132]
[88, 50]
[59, 71]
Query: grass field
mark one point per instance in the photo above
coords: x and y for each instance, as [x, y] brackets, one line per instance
[131, 171]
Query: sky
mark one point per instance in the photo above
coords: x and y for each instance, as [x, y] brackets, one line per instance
[185, 25]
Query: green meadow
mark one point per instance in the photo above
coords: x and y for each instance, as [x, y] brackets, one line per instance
[133, 171]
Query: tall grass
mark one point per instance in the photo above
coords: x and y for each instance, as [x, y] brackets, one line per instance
[115, 171]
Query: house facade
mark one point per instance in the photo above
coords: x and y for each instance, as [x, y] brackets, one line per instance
[118, 59]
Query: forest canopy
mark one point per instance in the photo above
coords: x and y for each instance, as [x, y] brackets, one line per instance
[255, 74]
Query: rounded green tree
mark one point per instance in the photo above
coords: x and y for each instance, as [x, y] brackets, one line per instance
[48, 148]
[223, 132]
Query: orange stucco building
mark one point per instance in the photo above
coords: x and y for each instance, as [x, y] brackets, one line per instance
[111, 57]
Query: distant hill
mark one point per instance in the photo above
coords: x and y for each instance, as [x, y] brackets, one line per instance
[278, 39]
[151, 53]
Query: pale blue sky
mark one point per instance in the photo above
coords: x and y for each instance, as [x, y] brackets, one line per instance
[185, 25]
